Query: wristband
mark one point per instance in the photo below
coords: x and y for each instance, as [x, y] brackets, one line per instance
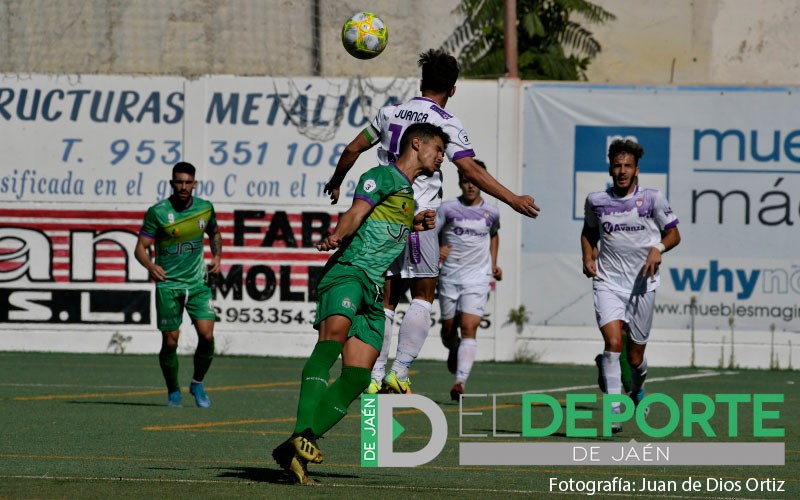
[660, 247]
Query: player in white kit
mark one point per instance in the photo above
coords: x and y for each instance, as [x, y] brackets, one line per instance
[469, 240]
[417, 267]
[634, 226]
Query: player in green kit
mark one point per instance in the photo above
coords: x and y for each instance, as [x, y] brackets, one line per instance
[177, 226]
[349, 316]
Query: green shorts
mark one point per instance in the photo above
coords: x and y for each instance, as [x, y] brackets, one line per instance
[170, 303]
[346, 290]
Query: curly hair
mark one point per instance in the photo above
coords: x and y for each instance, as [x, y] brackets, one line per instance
[625, 146]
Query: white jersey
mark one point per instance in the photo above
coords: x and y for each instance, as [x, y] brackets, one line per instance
[629, 227]
[468, 231]
[388, 127]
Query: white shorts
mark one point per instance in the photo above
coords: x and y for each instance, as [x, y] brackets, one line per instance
[420, 258]
[635, 310]
[467, 299]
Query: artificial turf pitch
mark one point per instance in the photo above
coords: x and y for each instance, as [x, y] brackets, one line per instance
[97, 426]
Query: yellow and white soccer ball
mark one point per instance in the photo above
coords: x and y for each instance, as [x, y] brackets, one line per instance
[364, 35]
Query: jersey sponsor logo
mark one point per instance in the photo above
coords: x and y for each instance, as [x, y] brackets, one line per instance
[171, 218]
[401, 236]
[444, 114]
[185, 247]
[609, 227]
[369, 186]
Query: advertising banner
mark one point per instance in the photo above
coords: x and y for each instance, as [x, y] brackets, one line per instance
[728, 161]
[85, 156]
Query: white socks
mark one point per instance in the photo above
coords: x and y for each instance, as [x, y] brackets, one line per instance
[411, 336]
[612, 374]
[379, 369]
[467, 350]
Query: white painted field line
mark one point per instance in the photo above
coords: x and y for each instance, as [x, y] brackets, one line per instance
[702, 374]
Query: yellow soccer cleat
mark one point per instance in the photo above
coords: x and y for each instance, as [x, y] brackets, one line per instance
[373, 387]
[287, 458]
[306, 446]
[392, 385]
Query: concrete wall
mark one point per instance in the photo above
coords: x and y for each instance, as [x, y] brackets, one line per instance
[749, 42]
[728, 42]
[196, 37]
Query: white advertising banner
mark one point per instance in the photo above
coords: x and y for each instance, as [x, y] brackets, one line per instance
[728, 161]
[84, 156]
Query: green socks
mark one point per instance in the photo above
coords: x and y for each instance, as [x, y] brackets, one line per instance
[334, 404]
[314, 381]
[168, 359]
[202, 358]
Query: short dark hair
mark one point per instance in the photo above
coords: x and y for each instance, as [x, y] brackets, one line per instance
[439, 70]
[425, 131]
[462, 177]
[625, 146]
[183, 167]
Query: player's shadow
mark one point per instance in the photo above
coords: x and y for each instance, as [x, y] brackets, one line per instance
[276, 475]
[120, 403]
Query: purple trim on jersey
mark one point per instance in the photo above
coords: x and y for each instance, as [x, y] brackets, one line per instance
[401, 173]
[362, 197]
[151, 236]
[444, 114]
[463, 154]
[620, 205]
[671, 224]
[469, 212]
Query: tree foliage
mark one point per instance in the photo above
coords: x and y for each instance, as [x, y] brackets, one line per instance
[551, 44]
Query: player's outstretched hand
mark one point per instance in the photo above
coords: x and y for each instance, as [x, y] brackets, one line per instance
[525, 205]
[425, 220]
[330, 242]
[333, 191]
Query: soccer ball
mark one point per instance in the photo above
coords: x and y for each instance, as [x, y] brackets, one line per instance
[364, 35]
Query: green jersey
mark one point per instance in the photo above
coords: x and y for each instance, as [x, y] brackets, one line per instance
[178, 237]
[383, 235]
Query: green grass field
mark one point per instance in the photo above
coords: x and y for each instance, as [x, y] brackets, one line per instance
[97, 426]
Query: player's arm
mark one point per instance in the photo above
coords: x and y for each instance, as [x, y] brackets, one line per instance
[215, 242]
[590, 236]
[494, 246]
[348, 223]
[523, 204]
[349, 156]
[141, 254]
[669, 240]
